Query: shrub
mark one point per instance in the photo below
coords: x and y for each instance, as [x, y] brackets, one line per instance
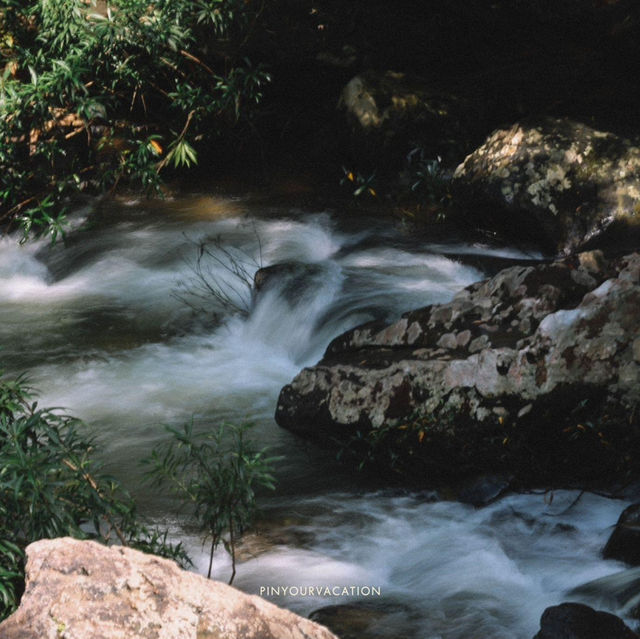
[92, 100]
[216, 474]
[51, 486]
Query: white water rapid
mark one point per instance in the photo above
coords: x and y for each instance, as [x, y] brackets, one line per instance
[100, 329]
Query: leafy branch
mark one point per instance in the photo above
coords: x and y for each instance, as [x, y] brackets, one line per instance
[216, 473]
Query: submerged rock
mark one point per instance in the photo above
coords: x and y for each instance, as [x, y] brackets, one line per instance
[559, 182]
[365, 620]
[620, 591]
[624, 543]
[535, 371]
[577, 621]
[83, 589]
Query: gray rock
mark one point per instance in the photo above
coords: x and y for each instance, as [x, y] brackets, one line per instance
[82, 589]
[292, 279]
[551, 367]
[558, 181]
[577, 621]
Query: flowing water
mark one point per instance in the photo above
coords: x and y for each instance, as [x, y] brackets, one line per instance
[102, 328]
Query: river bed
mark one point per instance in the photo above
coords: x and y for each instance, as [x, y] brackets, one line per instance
[108, 328]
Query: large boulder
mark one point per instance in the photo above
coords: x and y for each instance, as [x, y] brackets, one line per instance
[534, 371]
[85, 590]
[559, 182]
[577, 621]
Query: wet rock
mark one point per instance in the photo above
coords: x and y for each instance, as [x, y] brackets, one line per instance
[367, 620]
[577, 621]
[268, 535]
[549, 382]
[482, 490]
[293, 279]
[624, 543]
[83, 589]
[559, 182]
[619, 591]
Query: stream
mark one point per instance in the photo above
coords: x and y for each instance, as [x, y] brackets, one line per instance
[110, 328]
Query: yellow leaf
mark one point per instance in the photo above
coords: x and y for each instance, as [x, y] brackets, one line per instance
[351, 177]
[421, 436]
[505, 441]
[372, 192]
[155, 146]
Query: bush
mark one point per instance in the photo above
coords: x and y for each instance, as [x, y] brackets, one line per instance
[215, 473]
[50, 486]
[92, 100]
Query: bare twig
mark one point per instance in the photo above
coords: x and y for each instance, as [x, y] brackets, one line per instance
[232, 293]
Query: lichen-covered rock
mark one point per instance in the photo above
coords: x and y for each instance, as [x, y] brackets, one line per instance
[391, 112]
[534, 370]
[559, 182]
[81, 590]
[577, 621]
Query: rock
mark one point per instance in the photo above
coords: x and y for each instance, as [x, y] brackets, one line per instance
[294, 279]
[548, 383]
[577, 621]
[390, 113]
[624, 543]
[484, 489]
[619, 591]
[365, 620]
[559, 182]
[83, 589]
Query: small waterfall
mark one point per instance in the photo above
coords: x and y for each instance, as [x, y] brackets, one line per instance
[100, 331]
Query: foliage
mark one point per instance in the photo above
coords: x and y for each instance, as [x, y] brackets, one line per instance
[386, 448]
[361, 184]
[51, 486]
[400, 452]
[428, 179]
[216, 474]
[93, 98]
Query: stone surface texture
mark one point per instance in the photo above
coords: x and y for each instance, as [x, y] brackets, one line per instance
[83, 590]
[540, 352]
[558, 181]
